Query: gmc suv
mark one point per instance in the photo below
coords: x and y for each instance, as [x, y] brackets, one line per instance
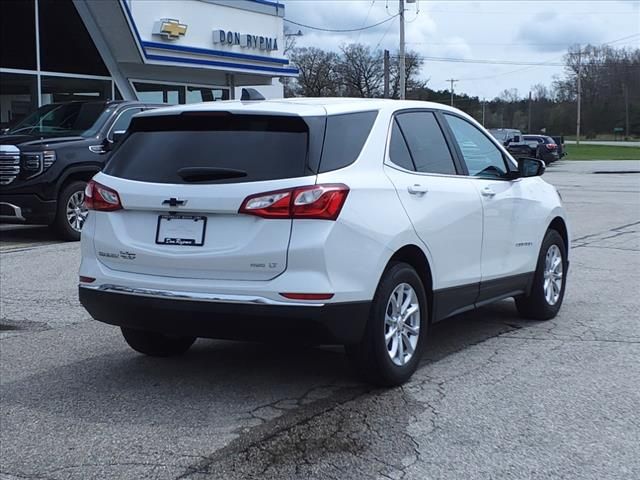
[47, 159]
[345, 221]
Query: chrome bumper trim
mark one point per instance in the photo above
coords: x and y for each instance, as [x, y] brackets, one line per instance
[195, 296]
[17, 212]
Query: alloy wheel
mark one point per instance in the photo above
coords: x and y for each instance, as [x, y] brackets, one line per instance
[402, 324]
[76, 211]
[553, 273]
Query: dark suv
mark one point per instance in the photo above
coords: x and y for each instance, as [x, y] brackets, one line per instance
[542, 147]
[47, 159]
[512, 140]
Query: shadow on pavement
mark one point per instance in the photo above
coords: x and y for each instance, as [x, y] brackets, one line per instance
[25, 236]
[217, 378]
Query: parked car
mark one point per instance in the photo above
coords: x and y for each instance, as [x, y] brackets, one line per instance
[513, 141]
[47, 159]
[542, 147]
[342, 221]
[559, 140]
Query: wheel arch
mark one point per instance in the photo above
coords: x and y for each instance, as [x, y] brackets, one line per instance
[83, 173]
[414, 256]
[559, 225]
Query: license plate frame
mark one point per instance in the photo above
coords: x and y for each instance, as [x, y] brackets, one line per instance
[189, 240]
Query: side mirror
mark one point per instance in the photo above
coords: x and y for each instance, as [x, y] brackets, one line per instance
[530, 167]
[117, 136]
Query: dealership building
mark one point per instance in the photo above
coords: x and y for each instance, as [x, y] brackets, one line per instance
[168, 51]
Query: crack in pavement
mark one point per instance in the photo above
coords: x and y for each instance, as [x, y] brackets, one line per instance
[598, 237]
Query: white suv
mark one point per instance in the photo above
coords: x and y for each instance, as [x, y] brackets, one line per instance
[355, 222]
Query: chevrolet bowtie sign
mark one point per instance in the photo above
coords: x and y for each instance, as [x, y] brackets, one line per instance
[169, 28]
[256, 42]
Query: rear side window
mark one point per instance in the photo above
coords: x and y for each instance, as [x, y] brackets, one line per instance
[398, 151]
[219, 146]
[344, 138]
[426, 143]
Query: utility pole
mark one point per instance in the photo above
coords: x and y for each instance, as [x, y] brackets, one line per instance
[483, 106]
[529, 120]
[626, 110]
[452, 80]
[579, 95]
[402, 66]
[386, 74]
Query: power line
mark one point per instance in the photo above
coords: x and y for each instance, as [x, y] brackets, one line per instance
[384, 35]
[487, 62]
[487, 77]
[366, 18]
[342, 30]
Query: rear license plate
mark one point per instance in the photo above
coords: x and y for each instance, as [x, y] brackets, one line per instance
[181, 230]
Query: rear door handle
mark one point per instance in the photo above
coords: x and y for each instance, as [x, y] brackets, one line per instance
[417, 189]
[487, 192]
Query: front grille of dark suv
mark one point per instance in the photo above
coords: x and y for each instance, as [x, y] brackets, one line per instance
[9, 166]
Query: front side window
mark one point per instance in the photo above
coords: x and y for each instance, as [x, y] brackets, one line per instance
[481, 155]
[426, 143]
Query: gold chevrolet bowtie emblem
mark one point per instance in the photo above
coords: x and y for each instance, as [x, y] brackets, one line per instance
[171, 28]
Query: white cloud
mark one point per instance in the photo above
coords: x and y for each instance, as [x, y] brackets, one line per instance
[529, 31]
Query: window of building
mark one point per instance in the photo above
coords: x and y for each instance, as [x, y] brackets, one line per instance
[65, 89]
[18, 34]
[158, 93]
[206, 94]
[18, 97]
[426, 143]
[65, 43]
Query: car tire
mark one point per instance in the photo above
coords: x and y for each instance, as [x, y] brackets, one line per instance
[375, 357]
[71, 213]
[549, 280]
[156, 344]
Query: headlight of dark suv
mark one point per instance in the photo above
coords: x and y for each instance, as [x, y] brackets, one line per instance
[35, 163]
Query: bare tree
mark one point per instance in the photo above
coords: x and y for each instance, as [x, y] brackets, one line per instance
[361, 71]
[540, 92]
[290, 39]
[318, 72]
[413, 64]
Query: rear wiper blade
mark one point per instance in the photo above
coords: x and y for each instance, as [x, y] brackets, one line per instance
[205, 174]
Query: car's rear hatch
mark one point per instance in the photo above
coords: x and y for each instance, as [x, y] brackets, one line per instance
[181, 180]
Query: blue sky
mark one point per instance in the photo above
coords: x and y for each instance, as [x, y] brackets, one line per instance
[502, 30]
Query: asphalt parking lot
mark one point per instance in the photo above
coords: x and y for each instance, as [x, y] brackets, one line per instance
[496, 397]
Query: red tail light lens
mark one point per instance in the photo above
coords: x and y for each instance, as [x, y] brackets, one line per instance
[322, 202]
[100, 198]
[551, 146]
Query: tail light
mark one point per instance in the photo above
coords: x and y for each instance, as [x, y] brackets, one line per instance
[322, 202]
[551, 146]
[100, 198]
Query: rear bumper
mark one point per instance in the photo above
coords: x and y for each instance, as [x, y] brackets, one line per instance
[26, 208]
[337, 323]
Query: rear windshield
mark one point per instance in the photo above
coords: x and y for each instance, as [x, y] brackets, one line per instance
[220, 147]
[251, 147]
